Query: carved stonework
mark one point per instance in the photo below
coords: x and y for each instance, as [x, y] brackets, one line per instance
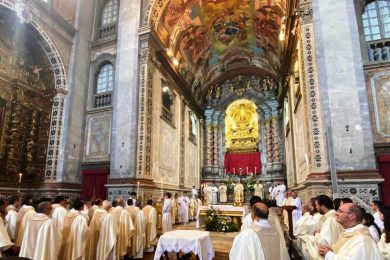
[23, 11]
[147, 67]
[306, 11]
[313, 98]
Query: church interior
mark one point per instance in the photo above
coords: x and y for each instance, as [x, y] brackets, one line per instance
[225, 99]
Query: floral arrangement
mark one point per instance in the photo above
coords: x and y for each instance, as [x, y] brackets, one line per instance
[250, 182]
[215, 222]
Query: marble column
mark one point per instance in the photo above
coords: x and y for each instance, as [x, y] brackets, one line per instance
[125, 101]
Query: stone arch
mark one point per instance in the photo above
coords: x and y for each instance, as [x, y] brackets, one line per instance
[25, 15]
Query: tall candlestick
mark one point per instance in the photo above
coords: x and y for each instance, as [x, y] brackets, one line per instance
[247, 172]
[234, 170]
[20, 177]
[255, 169]
[137, 189]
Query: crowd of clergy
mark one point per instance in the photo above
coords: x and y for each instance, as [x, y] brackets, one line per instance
[323, 229]
[64, 229]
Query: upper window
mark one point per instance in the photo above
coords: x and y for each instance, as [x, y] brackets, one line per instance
[110, 12]
[105, 81]
[376, 20]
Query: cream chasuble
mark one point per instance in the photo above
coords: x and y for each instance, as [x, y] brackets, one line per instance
[11, 221]
[238, 193]
[75, 246]
[107, 239]
[5, 241]
[125, 229]
[173, 211]
[330, 232]
[95, 225]
[384, 247]
[137, 241]
[222, 193]
[247, 222]
[191, 213]
[261, 242]
[151, 228]
[41, 238]
[58, 215]
[355, 243]
[24, 214]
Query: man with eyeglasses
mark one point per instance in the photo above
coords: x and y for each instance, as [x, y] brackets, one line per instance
[355, 241]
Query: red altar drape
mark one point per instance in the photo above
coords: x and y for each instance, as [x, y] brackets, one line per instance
[384, 170]
[93, 184]
[235, 161]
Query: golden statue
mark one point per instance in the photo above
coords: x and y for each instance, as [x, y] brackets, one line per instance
[241, 126]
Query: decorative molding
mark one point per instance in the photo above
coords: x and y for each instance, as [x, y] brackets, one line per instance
[313, 98]
[306, 11]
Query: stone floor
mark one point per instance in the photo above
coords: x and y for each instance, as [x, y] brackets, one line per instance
[222, 242]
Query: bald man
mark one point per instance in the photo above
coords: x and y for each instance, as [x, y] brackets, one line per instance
[356, 241]
[260, 241]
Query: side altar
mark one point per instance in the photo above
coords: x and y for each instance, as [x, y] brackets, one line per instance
[236, 213]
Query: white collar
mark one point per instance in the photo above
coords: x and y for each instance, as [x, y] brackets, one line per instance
[262, 223]
[353, 229]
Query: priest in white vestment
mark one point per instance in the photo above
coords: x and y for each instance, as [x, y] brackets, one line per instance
[222, 193]
[214, 195]
[107, 239]
[75, 233]
[41, 239]
[138, 239]
[328, 233]
[5, 241]
[130, 209]
[192, 206]
[184, 202]
[95, 226]
[24, 214]
[166, 213]
[194, 192]
[248, 219]
[12, 213]
[355, 241]
[258, 189]
[59, 211]
[261, 241]
[280, 194]
[375, 206]
[384, 242]
[209, 194]
[297, 213]
[151, 226]
[124, 226]
[173, 210]
[238, 193]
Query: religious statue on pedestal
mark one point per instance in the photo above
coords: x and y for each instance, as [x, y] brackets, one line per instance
[222, 193]
[258, 189]
[238, 194]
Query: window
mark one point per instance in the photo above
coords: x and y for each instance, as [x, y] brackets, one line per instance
[376, 20]
[105, 81]
[104, 86]
[167, 104]
[110, 12]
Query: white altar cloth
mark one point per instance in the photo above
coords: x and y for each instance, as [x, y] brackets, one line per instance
[225, 208]
[197, 242]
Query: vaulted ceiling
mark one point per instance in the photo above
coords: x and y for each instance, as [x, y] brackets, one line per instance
[210, 39]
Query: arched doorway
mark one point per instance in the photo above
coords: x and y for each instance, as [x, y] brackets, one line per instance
[33, 92]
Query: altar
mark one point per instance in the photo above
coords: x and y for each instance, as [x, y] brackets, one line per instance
[236, 213]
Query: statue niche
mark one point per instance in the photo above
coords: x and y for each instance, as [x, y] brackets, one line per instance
[241, 127]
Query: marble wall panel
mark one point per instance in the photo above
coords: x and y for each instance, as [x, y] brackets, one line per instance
[97, 147]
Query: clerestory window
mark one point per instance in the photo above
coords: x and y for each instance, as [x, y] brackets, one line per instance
[376, 20]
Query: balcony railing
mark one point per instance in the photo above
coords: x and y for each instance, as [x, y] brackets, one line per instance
[167, 115]
[378, 51]
[108, 31]
[102, 100]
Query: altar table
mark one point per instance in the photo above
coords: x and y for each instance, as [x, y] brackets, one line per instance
[236, 213]
[187, 241]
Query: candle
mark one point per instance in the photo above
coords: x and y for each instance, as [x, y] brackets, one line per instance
[247, 171]
[20, 177]
[225, 171]
[255, 169]
[234, 170]
[137, 189]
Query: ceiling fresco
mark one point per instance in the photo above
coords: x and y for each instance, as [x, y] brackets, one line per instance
[214, 36]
